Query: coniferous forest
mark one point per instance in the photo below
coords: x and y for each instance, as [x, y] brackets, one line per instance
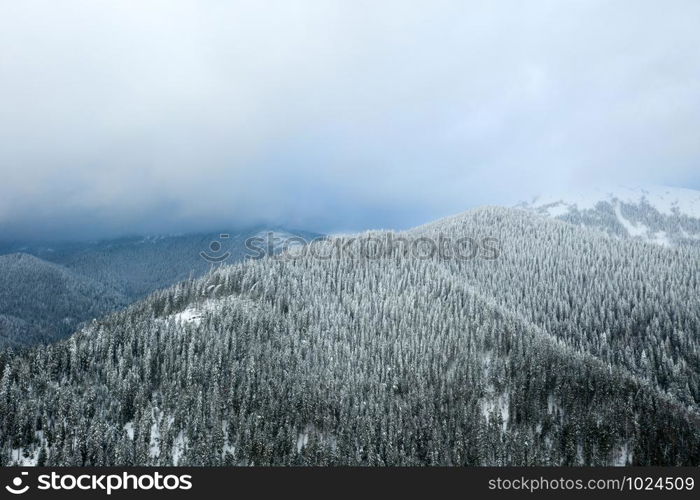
[561, 346]
[48, 289]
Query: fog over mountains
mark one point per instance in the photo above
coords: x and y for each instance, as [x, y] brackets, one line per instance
[571, 347]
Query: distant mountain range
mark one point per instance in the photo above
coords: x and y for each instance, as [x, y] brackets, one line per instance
[657, 214]
[47, 289]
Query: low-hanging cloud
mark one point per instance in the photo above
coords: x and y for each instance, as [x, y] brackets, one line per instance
[129, 116]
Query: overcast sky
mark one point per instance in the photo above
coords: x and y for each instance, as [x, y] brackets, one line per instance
[123, 117]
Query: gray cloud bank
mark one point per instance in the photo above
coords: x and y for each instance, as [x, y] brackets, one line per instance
[160, 116]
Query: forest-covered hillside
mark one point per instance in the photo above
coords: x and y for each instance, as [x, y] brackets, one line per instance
[55, 286]
[41, 301]
[563, 346]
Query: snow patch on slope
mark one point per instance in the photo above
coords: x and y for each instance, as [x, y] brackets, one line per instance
[322, 438]
[189, 315]
[499, 405]
[623, 455]
[194, 313]
[631, 228]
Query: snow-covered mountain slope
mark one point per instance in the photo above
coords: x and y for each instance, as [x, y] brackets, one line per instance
[570, 347]
[659, 214]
